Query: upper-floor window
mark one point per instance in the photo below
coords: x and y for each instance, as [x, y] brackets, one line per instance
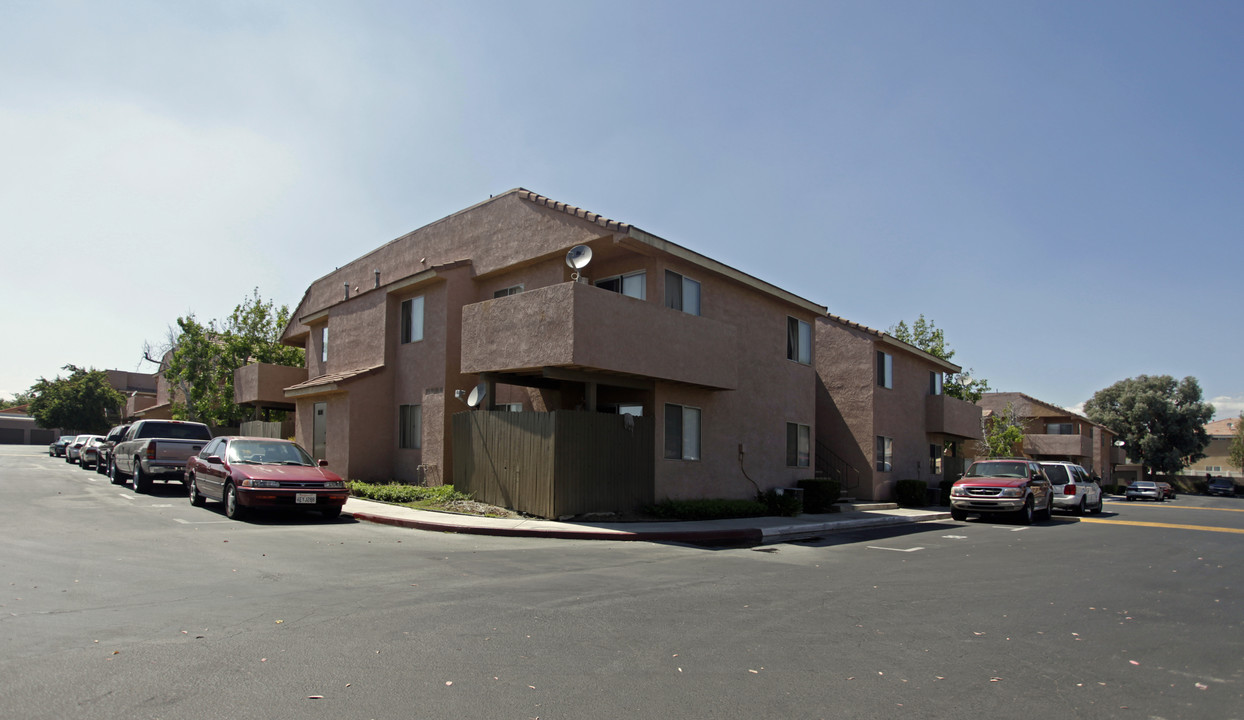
[682, 293]
[798, 341]
[412, 319]
[324, 344]
[629, 284]
[885, 369]
[935, 382]
[1062, 428]
[798, 445]
[506, 292]
[682, 432]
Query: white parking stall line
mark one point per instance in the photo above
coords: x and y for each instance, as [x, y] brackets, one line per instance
[876, 547]
[201, 522]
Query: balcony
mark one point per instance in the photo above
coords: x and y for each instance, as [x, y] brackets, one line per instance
[263, 385]
[578, 326]
[952, 416]
[1058, 445]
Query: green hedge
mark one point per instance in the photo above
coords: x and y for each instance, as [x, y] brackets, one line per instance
[820, 494]
[912, 493]
[395, 493]
[711, 509]
[783, 505]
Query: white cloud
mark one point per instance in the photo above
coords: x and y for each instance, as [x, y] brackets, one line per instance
[1226, 406]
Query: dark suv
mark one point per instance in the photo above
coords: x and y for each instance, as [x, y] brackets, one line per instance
[1016, 486]
[1222, 486]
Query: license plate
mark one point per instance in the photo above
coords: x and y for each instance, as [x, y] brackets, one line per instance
[305, 498]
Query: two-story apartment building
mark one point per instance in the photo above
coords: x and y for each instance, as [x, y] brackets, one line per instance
[881, 414]
[1055, 433]
[715, 368]
[1217, 460]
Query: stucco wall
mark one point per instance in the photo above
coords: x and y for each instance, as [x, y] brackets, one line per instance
[845, 367]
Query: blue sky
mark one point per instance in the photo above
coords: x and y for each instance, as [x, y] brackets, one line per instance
[1057, 185]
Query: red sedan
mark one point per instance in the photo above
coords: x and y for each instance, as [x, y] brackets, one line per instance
[252, 472]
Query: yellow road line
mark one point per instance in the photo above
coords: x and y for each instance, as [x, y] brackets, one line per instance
[1179, 507]
[1207, 528]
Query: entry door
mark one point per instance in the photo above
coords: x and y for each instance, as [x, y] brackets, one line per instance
[319, 433]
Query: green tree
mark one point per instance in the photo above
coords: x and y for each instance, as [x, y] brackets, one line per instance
[81, 401]
[1002, 432]
[203, 358]
[1160, 420]
[1237, 445]
[21, 398]
[925, 335]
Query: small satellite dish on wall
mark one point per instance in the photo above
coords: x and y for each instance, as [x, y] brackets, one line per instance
[477, 395]
[577, 258]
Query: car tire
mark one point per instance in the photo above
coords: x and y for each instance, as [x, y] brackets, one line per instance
[196, 499]
[233, 508]
[958, 515]
[142, 483]
[1024, 514]
[114, 475]
[1048, 513]
[1082, 507]
[1101, 503]
[331, 513]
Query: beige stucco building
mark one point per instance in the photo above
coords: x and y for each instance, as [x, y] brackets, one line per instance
[722, 363]
[881, 413]
[1055, 433]
[1217, 460]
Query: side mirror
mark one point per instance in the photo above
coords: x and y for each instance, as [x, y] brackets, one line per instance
[323, 462]
[214, 460]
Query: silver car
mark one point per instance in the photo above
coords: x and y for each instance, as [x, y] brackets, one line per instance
[1144, 490]
[1074, 488]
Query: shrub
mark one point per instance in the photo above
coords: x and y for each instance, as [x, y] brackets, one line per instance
[709, 509]
[395, 493]
[782, 504]
[912, 493]
[820, 494]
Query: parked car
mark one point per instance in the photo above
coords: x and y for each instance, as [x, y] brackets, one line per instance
[1144, 490]
[1224, 486]
[1017, 486]
[74, 448]
[103, 467]
[57, 449]
[156, 450]
[252, 472]
[1074, 488]
[88, 456]
[1168, 491]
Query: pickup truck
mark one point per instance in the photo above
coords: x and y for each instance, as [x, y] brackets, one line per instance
[156, 450]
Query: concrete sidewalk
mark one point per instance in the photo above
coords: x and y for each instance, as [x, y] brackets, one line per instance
[742, 531]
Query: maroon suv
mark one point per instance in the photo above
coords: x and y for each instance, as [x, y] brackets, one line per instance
[1015, 486]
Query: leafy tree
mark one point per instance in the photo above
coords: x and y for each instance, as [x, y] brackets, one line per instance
[21, 398]
[1160, 420]
[925, 335]
[81, 401]
[201, 358]
[1237, 444]
[1002, 432]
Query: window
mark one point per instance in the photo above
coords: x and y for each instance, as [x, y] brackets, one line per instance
[412, 319]
[885, 454]
[510, 407]
[410, 427]
[682, 293]
[324, 344]
[682, 432]
[935, 459]
[885, 369]
[798, 341]
[506, 292]
[935, 382]
[1060, 428]
[798, 441]
[631, 284]
[631, 409]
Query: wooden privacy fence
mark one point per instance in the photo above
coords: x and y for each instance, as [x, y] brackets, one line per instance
[258, 428]
[554, 464]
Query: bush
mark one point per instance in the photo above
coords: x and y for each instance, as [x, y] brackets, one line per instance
[710, 509]
[395, 493]
[912, 493]
[820, 494]
[782, 504]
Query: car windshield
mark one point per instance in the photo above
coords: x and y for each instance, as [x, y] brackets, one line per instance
[1057, 474]
[998, 469]
[267, 452]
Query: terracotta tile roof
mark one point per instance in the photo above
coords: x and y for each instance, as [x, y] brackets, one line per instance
[572, 210]
[1224, 427]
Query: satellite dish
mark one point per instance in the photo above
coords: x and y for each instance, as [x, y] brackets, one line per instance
[578, 257]
[477, 395]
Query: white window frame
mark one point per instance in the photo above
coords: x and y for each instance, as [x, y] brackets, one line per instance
[510, 407]
[685, 286]
[885, 454]
[802, 437]
[798, 345]
[885, 369]
[689, 442]
[935, 382]
[412, 319]
[506, 292]
[324, 344]
[632, 284]
[410, 429]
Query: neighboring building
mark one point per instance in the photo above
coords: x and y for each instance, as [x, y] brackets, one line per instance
[715, 368]
[1055, 433]
[140, 391]
[1217, 459]
[881, 415]
[19, 428]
